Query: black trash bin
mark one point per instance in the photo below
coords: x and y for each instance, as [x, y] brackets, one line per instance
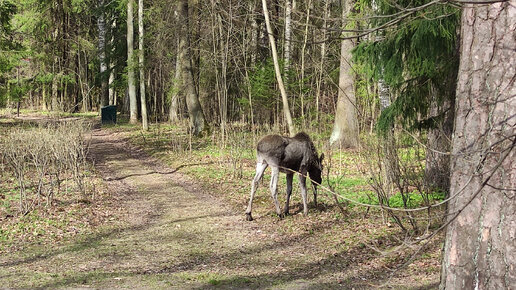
[108, 115]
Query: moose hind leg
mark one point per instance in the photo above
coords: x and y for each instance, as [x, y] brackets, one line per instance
[274, 189]
[260, 168]
[290, 177]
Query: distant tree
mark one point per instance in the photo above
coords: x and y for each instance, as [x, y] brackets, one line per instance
[417, 59]
[7, 9]
[345, 128]
[198, 124]
[281, 86]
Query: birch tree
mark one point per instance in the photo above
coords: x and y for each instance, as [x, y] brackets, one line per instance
[141, 67]
[101, 24]
[288, 33]
[133, 110]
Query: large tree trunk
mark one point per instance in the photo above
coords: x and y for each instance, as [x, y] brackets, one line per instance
[101, 23]
[286, 109]
[143, 101]
[133, 103]
[480, 247]
[345, 128]
[197, 122]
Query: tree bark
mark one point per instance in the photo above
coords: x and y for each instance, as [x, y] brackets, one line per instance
[345, 128]
[145, 124]
[197, 122]
[133, 103]
[101, 23]
[480, 248]
[286, 109]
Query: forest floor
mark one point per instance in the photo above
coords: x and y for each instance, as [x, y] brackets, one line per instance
[173, 232]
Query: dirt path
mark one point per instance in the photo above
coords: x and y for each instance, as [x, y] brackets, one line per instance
[176, 236]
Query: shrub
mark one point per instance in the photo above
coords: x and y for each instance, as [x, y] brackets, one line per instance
[41, 158]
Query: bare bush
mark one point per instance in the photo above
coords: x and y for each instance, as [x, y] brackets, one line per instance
[42, 158]
[397, 177]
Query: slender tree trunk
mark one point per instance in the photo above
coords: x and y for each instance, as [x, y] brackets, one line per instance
[101, 23]
[480, 247]
[143, 101]
[286, 109]
[197, 122]
[174, 98]
[288, 32]
[388, 142]
[321, 64]
[44, 97]
[303, 49]
[345, 128]
[254, 33]
[437, 165]
[133, 103]
[111, 89]
[54, 101]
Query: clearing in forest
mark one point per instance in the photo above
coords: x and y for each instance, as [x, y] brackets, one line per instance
[176, 234]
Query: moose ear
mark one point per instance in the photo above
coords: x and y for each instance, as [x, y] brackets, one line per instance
[321, 158]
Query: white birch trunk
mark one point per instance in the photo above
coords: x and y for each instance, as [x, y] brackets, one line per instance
[101, 23]
[133, 104]
[145, 123]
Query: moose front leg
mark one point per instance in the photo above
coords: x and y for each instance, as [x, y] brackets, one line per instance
[290, 178]
[302, 185]
[274, 189]
[314, 188]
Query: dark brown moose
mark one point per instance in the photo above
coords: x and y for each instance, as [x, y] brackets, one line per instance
[289, 155]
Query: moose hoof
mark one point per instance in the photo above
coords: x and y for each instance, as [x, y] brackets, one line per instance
[286, 213]
[248, 217]
[281, 216]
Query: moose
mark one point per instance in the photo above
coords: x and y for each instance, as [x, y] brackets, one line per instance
[288, 155]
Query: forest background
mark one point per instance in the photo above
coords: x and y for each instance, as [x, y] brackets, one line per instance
[379, 77]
